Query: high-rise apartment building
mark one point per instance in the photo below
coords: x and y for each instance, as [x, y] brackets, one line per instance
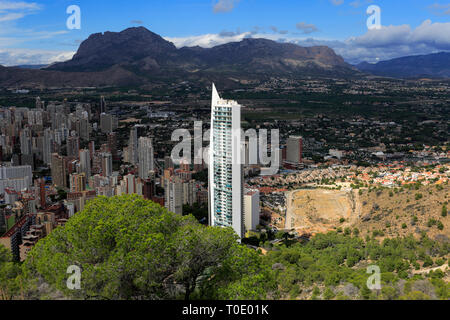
[58, 169]
[133, 146]
[103, 105]
[112, 144]
[107, 164]
[108, 123]
[15, 177]
[251, 209]
[77, 182]
[225, 167]
[174, 195]
[85, 162]
[47, 146]
[146, 157]
[294, 151]
[73, 146]
[26, 147]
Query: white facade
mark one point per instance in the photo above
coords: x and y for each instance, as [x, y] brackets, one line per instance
[251, 209]
[174, 196]
[225, 168]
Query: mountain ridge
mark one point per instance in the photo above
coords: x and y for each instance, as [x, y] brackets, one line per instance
[435, 65]
[137, 55]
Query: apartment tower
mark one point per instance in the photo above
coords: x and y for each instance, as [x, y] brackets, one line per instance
[225, 167]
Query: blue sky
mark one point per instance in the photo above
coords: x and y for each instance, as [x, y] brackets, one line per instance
[35, 31]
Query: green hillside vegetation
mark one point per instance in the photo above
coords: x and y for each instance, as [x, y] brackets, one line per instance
[337, 264]
[131, 248]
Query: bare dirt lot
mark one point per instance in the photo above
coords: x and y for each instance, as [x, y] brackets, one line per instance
[317, 211]
[389, 212]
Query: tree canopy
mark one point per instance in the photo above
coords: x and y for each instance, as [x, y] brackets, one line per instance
[131, 248]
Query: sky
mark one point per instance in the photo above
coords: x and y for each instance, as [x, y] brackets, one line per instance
[36, 32]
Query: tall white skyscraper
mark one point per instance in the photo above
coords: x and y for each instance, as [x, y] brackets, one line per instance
[146, 156]
[225, 167]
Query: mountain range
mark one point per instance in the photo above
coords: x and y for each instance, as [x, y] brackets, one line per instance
[436, 65]
[139, 57]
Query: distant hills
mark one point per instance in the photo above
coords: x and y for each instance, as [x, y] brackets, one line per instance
[139, 47]
[32, 66]
[435, 65]
[137, 56]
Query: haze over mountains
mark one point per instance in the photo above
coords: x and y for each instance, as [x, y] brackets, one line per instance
[139, 57]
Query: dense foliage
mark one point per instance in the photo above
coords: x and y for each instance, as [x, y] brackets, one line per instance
[336, 262]
[131, 248]
[9, 275]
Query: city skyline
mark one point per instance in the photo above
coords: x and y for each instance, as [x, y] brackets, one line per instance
[272, 159]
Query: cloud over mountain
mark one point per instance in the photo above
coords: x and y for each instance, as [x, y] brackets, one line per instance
[14, 57]
[387, 43]
[224, 5]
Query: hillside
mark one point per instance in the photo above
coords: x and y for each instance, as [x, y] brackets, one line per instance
[403, 211]
[380, 212]
[128, 248]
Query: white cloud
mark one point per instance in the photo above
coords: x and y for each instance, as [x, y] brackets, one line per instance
[388, 43]
[13, 10]
[337, 2]
[391, 42]
[359, 3]
[440, 9]
[306, 28]
[11, 17]
[13, 36]
[224, 5]
[14, 57]
[208, 40]
[18, 5]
